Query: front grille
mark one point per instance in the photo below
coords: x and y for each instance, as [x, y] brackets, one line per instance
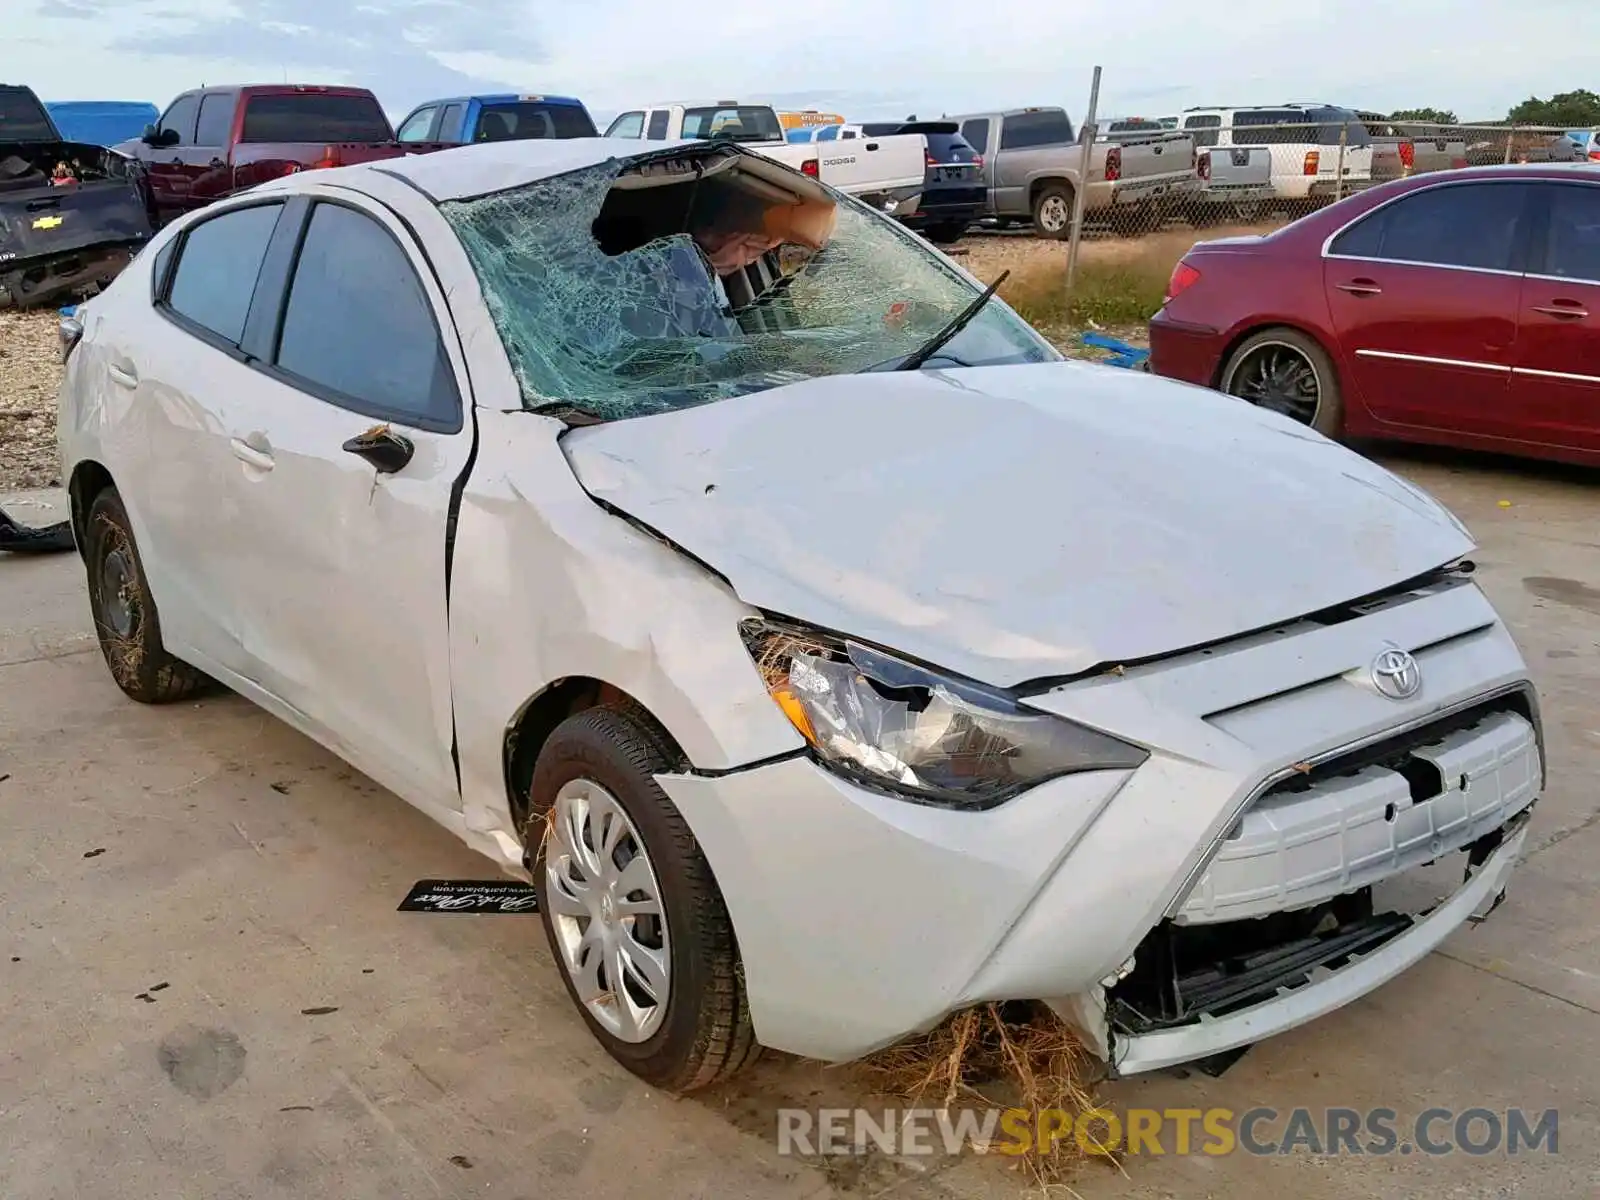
[1360, 816]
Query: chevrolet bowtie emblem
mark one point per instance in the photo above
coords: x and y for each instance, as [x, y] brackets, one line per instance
[47, 222]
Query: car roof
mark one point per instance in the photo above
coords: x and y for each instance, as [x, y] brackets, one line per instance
[476, 170]
[502, 98]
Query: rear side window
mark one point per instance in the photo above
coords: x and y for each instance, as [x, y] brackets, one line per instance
[180, 116]
[977, 133]
[1203, 129]
[216, 119]
[658, 126]
[1025, 130]
[358, 329]
[1572, 247]
[314, 117]
[1464, 225]
[1273, 127]
[217, 268]
[415, 127]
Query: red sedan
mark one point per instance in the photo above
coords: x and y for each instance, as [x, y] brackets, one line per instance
[1459, 307]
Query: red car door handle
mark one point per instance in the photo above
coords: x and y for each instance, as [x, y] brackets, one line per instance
[1360, 287]
[1565, 309]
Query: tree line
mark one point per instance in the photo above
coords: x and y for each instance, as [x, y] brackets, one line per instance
[1564, 110]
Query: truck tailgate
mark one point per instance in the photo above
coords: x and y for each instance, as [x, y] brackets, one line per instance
[875, 165]
[1238, 167]
[1162, 154]
[108, 206]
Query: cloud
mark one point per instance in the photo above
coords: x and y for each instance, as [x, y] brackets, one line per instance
[898, 57]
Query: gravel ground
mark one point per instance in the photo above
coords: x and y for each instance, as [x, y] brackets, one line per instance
[30, 371]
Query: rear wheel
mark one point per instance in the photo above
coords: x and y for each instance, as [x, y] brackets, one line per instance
[125, 617]
[1289, 373]
[1052, 211]
[635, 921]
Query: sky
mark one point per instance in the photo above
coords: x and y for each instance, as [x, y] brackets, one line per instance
[887, 59]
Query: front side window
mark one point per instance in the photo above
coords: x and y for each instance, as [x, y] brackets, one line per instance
[739, 123]
[1474, 225]
[217, 268]
[636, 299]
[358, 327]
[1572, 246]
[415, 127]
[628, 125]
[180, 117]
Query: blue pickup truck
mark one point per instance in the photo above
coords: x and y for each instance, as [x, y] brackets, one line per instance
[460, 120]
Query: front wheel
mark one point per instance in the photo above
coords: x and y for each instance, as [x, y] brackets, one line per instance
[1289, 373]
[634, 917]
[947, 232]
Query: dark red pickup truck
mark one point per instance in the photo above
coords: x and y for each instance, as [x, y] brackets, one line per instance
[215, 141]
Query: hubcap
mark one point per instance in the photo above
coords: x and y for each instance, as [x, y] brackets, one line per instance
[1053, 213]
[605, 906]
[1279, 378]
[116, 582]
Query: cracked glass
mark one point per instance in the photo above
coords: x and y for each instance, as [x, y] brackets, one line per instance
[654, 327]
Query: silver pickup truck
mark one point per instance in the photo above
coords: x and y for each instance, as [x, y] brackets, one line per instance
[1033, 166]
[1420, 148]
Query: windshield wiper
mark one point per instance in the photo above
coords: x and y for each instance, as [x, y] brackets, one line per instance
[957, 323]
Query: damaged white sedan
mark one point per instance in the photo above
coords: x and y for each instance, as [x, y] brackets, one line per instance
[830, 652]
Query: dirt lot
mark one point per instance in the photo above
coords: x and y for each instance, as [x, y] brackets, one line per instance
[30, 371]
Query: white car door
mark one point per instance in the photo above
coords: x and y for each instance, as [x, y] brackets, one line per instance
[342, 603]
[173, 362]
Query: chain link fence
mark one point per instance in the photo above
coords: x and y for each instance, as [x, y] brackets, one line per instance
[1245, 167]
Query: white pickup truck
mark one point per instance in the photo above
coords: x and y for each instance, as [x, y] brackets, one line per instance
[886, 172]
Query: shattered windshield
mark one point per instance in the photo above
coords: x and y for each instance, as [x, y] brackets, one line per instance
[692, 280]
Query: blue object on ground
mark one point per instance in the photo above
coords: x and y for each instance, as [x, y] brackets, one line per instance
[1122, 354]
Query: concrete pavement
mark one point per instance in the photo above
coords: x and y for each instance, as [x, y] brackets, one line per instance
[207, 991]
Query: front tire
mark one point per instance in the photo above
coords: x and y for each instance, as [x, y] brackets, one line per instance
[1289, 373]
[946, 233]
[125, 617]
[635, 920]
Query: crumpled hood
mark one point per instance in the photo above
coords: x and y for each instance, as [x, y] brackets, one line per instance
[1018, 522]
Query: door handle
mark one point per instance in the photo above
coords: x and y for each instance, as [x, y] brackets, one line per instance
[250, 456]
[872, 145]
[1563, 309]
[123, 374]
[1360, 287]
[177, 162]
[217, 162]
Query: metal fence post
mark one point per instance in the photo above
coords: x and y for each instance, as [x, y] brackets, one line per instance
[1510, 132]
[1086, 136]
[1344, 140]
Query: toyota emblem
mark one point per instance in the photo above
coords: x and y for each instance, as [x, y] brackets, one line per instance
[1396, 674]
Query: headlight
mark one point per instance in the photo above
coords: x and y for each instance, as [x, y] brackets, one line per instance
[928, 736]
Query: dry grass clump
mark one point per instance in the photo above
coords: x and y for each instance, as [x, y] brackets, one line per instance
[1120, 281]
[1012, 1056]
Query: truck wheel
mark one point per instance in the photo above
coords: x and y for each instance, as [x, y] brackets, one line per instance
[634, 917]
[1289, 373]
[1052, 212]
[125, 618]
[946, 232]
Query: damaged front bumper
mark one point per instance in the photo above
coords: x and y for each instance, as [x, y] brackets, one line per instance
[1119, 897]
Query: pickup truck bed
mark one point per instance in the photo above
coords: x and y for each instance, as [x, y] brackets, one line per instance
[71, 214]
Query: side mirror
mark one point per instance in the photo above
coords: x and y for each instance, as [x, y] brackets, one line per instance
[151, 136]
